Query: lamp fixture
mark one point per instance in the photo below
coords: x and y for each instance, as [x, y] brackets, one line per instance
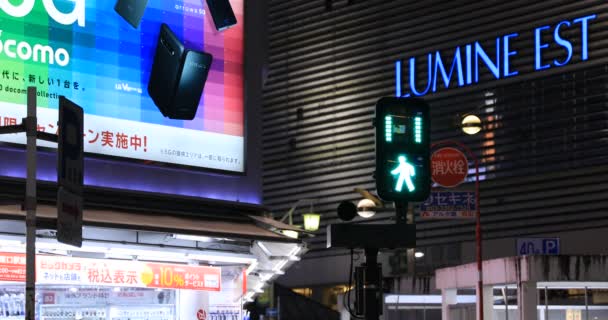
[471, 124]
[366, 208]
[311, 219]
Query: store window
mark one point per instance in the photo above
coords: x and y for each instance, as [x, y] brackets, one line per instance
[90, 303]
[107, 289]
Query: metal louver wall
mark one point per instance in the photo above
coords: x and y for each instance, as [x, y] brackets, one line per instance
[544, 147]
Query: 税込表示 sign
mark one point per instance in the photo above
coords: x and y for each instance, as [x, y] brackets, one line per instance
[97, 272]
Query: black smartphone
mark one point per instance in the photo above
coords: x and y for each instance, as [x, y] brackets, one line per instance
[166, 68]
[178, 76]
[222, 14]
[131, 10]
[194, 71]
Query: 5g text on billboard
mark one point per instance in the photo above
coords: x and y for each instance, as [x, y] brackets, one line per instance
[468, 59]
[42, 53]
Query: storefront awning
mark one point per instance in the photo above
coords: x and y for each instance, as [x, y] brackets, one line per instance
[193, 225]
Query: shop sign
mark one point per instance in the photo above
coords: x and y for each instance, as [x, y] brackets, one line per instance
[449, 205]
[12, 267]
[80, 271]
[96, 296]
[467, 60]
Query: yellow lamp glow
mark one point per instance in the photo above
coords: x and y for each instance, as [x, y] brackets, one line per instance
[311, 221]
[471, 124]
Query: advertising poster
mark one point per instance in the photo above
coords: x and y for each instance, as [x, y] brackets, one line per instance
[96, 272]
[101, 58]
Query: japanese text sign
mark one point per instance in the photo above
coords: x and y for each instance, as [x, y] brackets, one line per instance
[12, 267]
[81, 271]
[449, 204]
[449, 167]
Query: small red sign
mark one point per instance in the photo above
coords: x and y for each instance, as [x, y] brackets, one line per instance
[12, 267]
[449, 167]
[201, 314]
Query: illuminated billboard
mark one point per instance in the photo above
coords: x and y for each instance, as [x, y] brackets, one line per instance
[100, 54]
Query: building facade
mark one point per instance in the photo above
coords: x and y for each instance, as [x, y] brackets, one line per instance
[536, 74]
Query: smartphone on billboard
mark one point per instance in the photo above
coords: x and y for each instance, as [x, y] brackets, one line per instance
[165, 69]
[131, 10]
[222, 14]
[178, 76]
[192, 77]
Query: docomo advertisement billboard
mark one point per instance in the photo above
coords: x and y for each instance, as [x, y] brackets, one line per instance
[85, 50]
[449, 167]
[95, 272]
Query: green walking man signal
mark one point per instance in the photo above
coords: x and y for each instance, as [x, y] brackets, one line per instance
[405, 171]
[402, 149]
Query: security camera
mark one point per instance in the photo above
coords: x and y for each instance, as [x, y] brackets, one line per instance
[366, 208]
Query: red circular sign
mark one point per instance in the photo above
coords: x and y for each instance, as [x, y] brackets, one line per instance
[449, 167]
[201, 314]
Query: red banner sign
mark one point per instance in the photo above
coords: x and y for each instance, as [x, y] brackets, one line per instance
[449, 167]
[81, 271]
[12, 267]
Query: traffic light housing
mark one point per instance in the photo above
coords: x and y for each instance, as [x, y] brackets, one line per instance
[402, 149]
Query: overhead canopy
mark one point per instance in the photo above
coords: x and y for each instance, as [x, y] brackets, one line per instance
[193, 225]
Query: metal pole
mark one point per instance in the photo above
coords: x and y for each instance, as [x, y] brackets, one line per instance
[586, 303]
[372, 285]
[30, 206]
[546, 303]
[478, 235]
[506, 299]
[478, 241]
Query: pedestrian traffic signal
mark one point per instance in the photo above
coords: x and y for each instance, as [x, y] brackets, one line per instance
[402, 149]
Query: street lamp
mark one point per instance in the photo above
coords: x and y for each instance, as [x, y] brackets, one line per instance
[311, 219]
[471, 124]
[366, 208]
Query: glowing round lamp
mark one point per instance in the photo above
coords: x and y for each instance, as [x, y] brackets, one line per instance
[471, 124]
[311, 221]
[419, 254]
[366, 208]
[290, 233]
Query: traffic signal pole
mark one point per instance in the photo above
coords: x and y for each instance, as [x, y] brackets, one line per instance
[402, 175]
[29, 125]
[372, 285]
[30, 206]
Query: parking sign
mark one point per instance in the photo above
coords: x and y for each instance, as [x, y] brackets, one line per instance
[538, 246]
